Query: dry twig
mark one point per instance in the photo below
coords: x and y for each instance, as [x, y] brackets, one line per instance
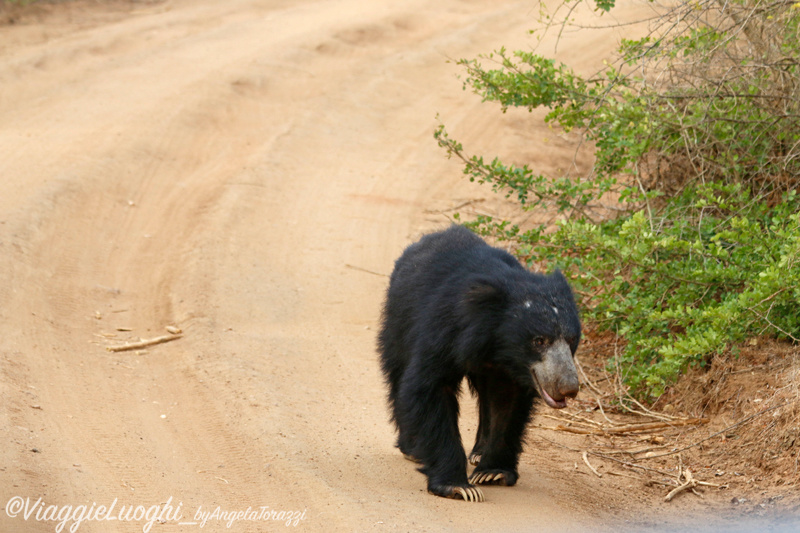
[629, 428]
[586, 378]
[614, 459]
[689, 483]
[459, 206]
[585, 456]
[362, 269]
[143, 343]
[737, 424]
[575, 419]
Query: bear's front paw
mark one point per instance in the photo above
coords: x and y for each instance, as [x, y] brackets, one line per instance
[474, 458]
[494, 476]
[468, 493]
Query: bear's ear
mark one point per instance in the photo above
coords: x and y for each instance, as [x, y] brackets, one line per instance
[561, 280]
[482, 292]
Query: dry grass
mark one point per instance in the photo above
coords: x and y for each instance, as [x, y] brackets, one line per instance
[732, 427]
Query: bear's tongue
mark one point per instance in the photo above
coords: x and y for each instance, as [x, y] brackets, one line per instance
[555, 404]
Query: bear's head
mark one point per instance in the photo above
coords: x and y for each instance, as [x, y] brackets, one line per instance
[536, 332]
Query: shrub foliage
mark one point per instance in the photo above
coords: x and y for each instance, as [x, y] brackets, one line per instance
[684, 237]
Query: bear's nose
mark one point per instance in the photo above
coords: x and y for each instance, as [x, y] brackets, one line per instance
[568, 388]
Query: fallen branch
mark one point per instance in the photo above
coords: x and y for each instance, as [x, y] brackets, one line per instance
[644, 411]
[585, 456]
[143, 343]
[657, 425]
[354, 267]
[737, 424]
[629, 428]
[631, 451]
[459, 206]
[609, 458]
[690, 483]
[587, 380]
[579, 431]
[575, 419]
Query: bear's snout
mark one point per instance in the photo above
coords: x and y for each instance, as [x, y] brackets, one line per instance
[569, 388]
[555, 375]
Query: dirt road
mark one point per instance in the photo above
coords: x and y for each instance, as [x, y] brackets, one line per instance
[242, 170]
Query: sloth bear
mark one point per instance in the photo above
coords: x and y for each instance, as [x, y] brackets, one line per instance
[457, 307]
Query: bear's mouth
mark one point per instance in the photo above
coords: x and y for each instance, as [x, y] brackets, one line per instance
[549, 400]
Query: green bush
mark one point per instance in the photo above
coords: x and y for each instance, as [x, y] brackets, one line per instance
[684, 237]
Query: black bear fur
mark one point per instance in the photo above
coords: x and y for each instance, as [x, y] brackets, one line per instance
[457, 307]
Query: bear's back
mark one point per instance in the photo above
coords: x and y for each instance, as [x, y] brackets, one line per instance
[455, 251]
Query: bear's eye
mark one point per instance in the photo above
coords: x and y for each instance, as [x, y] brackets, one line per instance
[541, 341]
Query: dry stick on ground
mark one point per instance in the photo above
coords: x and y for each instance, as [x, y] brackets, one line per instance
[644, 410]
[575, 419]
[459, 206]
[602, 456]
[737, 424]
[143, 343]
[595, 389]
[629, 428]
[586, 378]
[602, 411]
[354, 267]
[579, 431]
[622, 393]
[585, 456]
[648, 482]
[690, 483]
[633, 452]
[578, 419]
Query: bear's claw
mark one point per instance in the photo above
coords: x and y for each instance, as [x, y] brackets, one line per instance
[474, 459]
[490, 478]
[468, 494]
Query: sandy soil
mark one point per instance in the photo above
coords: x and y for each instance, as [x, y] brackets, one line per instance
[245, 171]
